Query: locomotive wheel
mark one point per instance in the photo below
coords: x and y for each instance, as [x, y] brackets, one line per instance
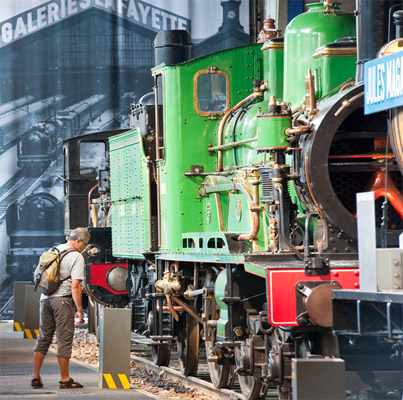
[250, 385]
[187, 344]
[221, 375]
[161, 354]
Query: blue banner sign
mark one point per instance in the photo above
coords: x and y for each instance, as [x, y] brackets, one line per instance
[383, 83]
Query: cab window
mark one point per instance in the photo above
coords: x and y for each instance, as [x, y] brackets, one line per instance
[92, 155]
[211, 92]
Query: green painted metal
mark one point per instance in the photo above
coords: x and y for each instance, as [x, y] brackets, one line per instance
[303, 36]
[129, 196]
[273, 66]
[267, 125]
[344, 64]
[188, 134]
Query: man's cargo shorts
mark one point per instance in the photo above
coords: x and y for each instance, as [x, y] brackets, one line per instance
[56, 314]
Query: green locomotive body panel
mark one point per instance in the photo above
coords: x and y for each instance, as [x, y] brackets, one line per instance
[189, 128]
[129, 196]
[303, 36]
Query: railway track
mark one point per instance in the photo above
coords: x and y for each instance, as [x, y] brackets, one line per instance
[6, 297]
[141, 355]
[15, 189]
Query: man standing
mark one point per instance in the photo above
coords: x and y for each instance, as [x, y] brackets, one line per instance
[57, 311]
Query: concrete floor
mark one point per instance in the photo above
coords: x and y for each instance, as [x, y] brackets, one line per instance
[16, 361]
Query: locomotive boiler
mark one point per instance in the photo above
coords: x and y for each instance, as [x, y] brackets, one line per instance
[231, 205]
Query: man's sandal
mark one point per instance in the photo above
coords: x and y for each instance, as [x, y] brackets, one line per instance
[70, 384]
[36, 383]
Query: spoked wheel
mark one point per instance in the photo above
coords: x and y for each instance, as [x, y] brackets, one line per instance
[221, 374]
[250, 385]
[187, 344]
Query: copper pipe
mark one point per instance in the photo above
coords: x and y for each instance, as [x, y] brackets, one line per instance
[392, 193]
[297, 131]
[252, 96]
[188, 309]
[255, 220]
[171, 309]
[166, 308]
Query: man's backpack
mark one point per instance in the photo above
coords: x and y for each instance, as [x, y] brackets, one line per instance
[47, 273]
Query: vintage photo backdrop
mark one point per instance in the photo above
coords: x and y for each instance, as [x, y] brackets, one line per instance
[69, 67]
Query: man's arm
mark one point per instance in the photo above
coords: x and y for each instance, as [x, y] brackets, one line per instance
[77, 297]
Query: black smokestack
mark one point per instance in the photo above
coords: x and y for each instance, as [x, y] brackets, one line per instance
[172, 47]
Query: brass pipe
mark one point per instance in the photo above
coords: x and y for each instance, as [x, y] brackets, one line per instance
[255, 220]
[188, 309]
[252, 96]
[89, 197]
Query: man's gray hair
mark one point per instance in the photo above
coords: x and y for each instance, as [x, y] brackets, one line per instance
[80, 233]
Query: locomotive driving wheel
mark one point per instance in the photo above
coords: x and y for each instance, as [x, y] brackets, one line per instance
[187, 343]
[250, 384]
[221, 372]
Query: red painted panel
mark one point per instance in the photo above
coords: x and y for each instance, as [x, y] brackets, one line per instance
[281, 290]
[98, 274]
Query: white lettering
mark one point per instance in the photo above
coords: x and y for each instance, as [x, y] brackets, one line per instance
[53, 10]
[165, 18]
[20, 28]
[41, 17]
[98, 3]
[85, 4]
[388, 80]
[7, 32]
[110, 4]
[182, 23]
[173, 21]
[121, 4]
[155, 19]
[382, 82]
[132, 12]
[144, 12]
[71, 7]
[31, 26]
[63, 4]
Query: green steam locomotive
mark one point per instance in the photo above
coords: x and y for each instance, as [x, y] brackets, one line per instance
[226, 216]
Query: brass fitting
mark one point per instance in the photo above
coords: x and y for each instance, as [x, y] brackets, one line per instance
[169, 284]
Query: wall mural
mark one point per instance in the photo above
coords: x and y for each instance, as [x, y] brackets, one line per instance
[67, 68]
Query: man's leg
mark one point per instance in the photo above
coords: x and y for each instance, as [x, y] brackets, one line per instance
[64, 368]
[38, 360]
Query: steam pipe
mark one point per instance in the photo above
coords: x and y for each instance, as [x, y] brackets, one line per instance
[255, 211]
[252, 97]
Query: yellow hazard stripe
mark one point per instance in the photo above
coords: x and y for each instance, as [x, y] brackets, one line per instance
[28, 333]
[109, 381]
[17, 326]
[125, 382]
[36, 332]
